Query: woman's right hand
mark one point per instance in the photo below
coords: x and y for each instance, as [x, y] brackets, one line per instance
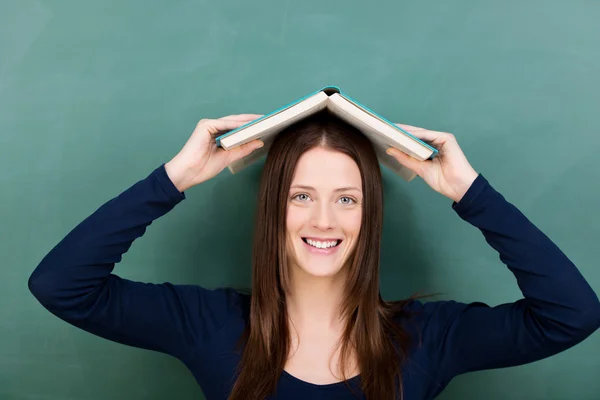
[200, 159]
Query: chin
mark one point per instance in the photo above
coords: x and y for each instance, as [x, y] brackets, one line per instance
[317, 264]
[323, 272]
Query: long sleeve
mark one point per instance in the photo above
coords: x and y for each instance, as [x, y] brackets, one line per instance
[559, 309]
[74, 280]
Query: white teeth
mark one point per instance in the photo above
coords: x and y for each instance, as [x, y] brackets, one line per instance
[322, 245]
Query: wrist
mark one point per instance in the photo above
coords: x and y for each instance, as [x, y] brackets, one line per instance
[178, 175]
[463, 185]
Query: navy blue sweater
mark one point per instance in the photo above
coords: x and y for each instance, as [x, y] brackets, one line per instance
[200, 327]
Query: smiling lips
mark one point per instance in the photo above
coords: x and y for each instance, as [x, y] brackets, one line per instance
[321, 246]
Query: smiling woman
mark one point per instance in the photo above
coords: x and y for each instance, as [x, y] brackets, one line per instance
[323, 218]
[315, 325]
[316, 308]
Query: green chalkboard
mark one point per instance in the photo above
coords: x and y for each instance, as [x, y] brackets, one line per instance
[95, 95]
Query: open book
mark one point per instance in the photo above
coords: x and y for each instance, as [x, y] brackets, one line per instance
[382, 133]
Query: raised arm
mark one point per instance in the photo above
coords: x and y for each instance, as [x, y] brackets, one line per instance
[559, 308]
[75, 282]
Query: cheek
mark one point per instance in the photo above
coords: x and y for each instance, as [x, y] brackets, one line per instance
[351, 222]
[354, 222]
[295, 219]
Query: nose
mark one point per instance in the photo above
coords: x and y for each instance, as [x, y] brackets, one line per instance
[323, 217]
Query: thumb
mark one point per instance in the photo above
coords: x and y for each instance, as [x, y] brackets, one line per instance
[244, 150]
[405, 160]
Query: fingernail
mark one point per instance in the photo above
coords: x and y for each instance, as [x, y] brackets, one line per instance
[261, 144]
[389, 151]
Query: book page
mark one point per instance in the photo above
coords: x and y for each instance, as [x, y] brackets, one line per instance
[381, 134]
[277, 122]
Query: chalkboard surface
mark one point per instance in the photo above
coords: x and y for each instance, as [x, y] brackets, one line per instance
[95, 95]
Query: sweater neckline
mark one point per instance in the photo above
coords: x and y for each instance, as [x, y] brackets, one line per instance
[333, 385]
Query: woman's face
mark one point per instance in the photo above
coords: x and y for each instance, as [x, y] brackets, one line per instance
[323, 212]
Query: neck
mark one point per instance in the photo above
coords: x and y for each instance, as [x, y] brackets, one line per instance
[314, 302]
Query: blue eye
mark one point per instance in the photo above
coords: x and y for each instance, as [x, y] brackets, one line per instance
[348, 201]
[305, 197]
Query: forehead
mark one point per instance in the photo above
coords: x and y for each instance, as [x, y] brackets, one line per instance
[320, 167]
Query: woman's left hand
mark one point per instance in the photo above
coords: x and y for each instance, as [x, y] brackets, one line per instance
[449, 173]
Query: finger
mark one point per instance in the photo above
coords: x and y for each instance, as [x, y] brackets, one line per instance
[244, 150]
[214, 126]
[242, 117]
[406, 160]
[422, 133]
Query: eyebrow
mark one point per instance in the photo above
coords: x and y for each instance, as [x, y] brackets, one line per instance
[342, 189]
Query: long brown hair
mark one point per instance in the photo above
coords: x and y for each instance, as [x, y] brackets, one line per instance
[378, 341]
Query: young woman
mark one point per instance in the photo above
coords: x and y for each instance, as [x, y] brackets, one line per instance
[315, 325]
